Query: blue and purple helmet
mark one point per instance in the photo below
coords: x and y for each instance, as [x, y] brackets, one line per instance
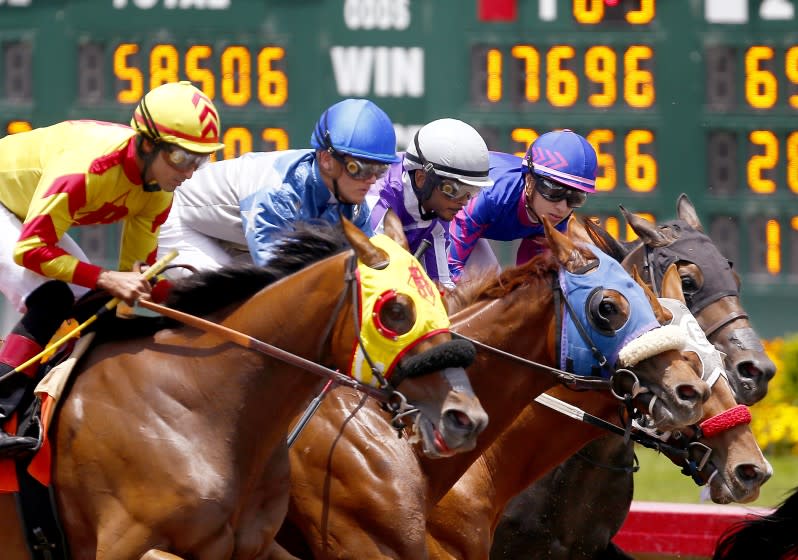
[565, 157]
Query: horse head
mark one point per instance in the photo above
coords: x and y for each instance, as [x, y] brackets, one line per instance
[404, 344]
[612, 318]
[721, 450]
[711, 288]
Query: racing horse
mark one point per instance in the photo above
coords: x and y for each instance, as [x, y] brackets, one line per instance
[462, 523]
[711, 289]
[172, 445]
[340, 504]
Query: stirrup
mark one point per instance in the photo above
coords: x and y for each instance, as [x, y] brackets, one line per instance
[17, 447]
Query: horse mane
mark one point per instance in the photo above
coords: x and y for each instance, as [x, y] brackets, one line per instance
[536, 270]
[768, 536]
[209, 291]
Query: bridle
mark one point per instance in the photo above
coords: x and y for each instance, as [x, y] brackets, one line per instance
[622, 383]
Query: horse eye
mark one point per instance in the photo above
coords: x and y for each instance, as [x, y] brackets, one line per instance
[604, 313]
[689, 285]
[394, 314]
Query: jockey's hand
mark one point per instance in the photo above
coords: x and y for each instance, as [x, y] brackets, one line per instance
[127, 286]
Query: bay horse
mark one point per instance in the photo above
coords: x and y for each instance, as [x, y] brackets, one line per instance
[462, 524]
[712, 290]
[173, 445]
[341, 506]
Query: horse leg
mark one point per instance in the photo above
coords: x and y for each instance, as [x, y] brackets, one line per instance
[159, 555]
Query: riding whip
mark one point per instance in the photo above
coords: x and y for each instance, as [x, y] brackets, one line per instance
[309, 412]
[148, 274]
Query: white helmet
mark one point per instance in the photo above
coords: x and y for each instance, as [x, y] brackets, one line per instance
[452, 149]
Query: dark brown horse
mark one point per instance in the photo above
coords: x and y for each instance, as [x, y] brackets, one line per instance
[771, 536]
[462, 523]
[173, 445]
[366, 496]
[712, 288]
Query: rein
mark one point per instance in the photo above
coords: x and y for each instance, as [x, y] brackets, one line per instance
[252, 343]
[570, 380]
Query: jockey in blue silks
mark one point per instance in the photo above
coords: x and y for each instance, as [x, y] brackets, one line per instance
[233, 210]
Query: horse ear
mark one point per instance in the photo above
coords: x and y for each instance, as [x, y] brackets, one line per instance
[602, 239]
[644, 229]
[578, 232]
[370, 255]
[392, 227]
[664, 316]
[672, 283]
[686, 211]
[564, 249]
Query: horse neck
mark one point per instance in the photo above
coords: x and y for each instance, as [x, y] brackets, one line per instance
[521, 323]
[538, 440]
[291, 314]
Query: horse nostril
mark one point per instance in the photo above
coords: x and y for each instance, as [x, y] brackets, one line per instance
[689, 392]
[459, 419]
[749, 370]
[749, 473]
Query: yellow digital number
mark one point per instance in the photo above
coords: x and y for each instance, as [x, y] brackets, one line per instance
[202, 77]
[524, 136]
[164, 65]
[277, 137]
[601, 67]
[763, 162]
[761, 86]
[531, 59]
[562, 85]
[272, 84]
[493, 78]
[236, 67]
[638, 85]
[591, 12]
[126, 73]
[641, 169]
[237, 140]
[644, 15]
[791, 70]
[605, 161]
[588, 12]
[14, 127]
[773, 247]
[792, 162]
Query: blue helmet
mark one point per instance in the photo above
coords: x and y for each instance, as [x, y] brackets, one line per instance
[564, 157]
[356, 127]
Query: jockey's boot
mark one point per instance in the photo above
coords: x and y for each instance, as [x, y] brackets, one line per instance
[48, 306]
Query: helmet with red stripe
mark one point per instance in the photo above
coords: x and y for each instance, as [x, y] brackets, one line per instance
[179, 113]
[565, 157]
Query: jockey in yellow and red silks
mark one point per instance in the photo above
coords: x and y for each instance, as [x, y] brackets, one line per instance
[79, 173]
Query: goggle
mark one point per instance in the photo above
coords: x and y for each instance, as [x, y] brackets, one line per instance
[183, 160]
[360, 169]
[554, 192]
[456, 190]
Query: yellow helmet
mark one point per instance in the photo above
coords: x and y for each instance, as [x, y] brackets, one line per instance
[179, 113]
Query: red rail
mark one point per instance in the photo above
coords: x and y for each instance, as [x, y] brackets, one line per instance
[678, 529]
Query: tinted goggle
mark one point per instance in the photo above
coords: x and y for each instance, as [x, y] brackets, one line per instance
[183, 160]
[554, 192]
[360, 169]
[456, 190]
